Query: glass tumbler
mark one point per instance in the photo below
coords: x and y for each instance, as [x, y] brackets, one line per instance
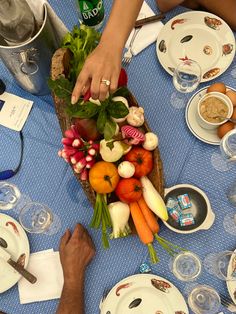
[204, 299]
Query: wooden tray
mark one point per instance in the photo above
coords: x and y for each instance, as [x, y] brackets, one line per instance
[60, 67]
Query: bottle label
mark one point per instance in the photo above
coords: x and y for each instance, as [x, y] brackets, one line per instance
[92, 11]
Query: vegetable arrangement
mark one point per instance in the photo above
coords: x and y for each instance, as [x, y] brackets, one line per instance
[109, 147]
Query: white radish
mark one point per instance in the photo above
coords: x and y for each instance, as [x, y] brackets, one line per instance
[154, 199]
[125, 102]
[151, 141]
[119, 213]
[126, 169]
[111, 155]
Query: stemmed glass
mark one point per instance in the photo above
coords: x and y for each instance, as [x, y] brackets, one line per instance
[186, 78]
[226, 159]
[222, 265]
[38, 218]
[9, 195]
[186, 266]
[204, 299]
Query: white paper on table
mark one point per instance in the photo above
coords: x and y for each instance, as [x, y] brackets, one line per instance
[147, 34]
[46, 266]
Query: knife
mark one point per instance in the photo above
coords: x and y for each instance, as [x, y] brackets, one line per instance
[21, 270]
[148, 20]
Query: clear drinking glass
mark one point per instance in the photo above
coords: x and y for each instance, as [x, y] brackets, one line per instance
[226, 159]
[204, 299]
[9, 195]
[222, 265]
[186, 79]
[36, 217]
[186, 266]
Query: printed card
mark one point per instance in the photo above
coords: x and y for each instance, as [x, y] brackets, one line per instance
[14, 111]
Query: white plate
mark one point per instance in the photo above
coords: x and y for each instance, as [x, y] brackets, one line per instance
[231, 285]
[153, 294]
[206, 136]
[18, 246]
[200, 36]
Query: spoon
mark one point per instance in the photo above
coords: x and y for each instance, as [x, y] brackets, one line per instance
[3, 243]
[225, 118]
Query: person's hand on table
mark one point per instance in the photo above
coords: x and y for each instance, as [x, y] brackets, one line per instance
[76, 252]
[100, 73]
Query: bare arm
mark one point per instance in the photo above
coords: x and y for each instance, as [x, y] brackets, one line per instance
[105, 61]
[76, 252]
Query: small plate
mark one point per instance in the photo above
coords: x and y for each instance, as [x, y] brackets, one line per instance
[144, 293]
[204, 135]
[18, 246]
[231, 284]
[200, 36]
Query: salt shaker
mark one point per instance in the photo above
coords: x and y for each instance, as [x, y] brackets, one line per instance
[17, 23]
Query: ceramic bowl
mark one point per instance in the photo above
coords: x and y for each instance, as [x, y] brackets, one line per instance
[201, 208]
[210, 125]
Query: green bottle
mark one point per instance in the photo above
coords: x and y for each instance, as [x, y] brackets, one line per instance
[91, 12]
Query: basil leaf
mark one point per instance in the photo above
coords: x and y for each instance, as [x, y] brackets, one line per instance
[101, 121]
[117, 109]
[122, 91]
[83, 111]
[62, 88]
[109, 129]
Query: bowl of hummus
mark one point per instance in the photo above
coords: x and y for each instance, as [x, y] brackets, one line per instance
[213, 110]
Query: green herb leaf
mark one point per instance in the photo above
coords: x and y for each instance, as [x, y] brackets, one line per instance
[109, 129]
[84, 111]
[101, 121]
[117, 109]
[122, 91]
[62, 88]
[110, 144]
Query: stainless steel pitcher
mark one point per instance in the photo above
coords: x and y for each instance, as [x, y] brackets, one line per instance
[30, 62]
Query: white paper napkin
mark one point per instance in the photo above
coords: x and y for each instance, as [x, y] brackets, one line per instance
[147, 34]
[46, 266]
[59, 28]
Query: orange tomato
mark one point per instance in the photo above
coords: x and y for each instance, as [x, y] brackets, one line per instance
[141, 159]
[129, 190]
[103, 177]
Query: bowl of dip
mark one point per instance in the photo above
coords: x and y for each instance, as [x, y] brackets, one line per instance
[213, 110]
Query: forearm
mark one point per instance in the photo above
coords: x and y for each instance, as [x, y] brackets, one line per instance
[72, 299]
[121, 21]
[165, 5]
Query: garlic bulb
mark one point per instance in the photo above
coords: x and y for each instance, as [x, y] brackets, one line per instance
[135, 116]
[151, 141]
[126, 169]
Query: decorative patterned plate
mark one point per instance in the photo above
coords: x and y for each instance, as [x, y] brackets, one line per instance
[206, 136]
[231, 285]
[200, 36]
[144, 293]
[18, 246]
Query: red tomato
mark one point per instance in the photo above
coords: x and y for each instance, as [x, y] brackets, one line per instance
[141, 159]
[129, 190]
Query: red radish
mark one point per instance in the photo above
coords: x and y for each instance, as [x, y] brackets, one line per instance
[76, 157]
[82, 163]
[90, 164]
[92, 152]
[75, 131]
[87, 128]
[67, 141]
[96, 146]
[89, 158]
[69, 133]
[87, 95]
[129, 190]
[77, 142]
[84, 175]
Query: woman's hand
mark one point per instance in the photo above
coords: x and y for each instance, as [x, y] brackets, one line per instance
[100, 73]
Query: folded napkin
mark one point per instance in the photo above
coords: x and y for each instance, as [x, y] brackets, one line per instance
[46, 266]
[147, 34]
[59, 28]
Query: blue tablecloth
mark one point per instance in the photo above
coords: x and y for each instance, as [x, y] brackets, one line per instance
[46, 178]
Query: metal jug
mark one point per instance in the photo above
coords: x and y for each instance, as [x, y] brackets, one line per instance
[30, 62]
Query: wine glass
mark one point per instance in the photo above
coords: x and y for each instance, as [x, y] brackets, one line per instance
[226, 159]
[222, 265]
[186, 266]
[9, 195]
[204, 299]
[38, 218]
[186, 78]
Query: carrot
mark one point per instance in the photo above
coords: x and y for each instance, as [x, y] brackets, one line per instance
[152, 223]
[143, 230]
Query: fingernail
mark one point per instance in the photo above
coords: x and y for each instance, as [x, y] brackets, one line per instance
[73, 100]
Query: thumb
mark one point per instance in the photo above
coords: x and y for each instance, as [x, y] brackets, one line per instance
[64, 239]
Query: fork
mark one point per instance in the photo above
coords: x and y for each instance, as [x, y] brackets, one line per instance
[228, 303]
[129, 54]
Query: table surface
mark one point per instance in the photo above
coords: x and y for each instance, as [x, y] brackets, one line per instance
[48, 179]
